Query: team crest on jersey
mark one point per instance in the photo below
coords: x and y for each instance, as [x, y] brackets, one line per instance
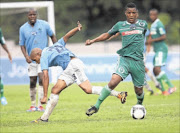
[121, 70]
[141, 24]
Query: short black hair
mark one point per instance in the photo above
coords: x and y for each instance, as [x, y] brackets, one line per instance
[155, 10]
[130, 5]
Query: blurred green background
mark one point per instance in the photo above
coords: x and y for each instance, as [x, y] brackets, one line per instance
[96, 16]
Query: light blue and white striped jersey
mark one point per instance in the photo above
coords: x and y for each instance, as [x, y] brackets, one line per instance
[56, 55]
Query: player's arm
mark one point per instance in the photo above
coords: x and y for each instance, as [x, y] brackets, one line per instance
[53, 38]
[6, 49]
[23, 49]
[45, 86]
[151, 40]
[72, 32]
[114, 36]
[102, 37]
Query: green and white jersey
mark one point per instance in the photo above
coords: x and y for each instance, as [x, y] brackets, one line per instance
[132, 38]
[2, 40]
[156, 31]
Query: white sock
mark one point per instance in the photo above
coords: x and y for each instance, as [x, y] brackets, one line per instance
[97, 90]
[40, 95]
[153, 78]
[32, 93]
[52, 102]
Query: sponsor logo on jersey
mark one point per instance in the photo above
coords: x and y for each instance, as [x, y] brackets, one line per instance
[131, 32]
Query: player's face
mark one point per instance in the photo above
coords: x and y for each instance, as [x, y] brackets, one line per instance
[131, 15]
[36, 59]
[32, 16]
[153, 15]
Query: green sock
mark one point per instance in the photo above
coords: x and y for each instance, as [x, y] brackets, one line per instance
[161, 83]
[104, 93]
[140, 98]
[1, 89]
[163, 77]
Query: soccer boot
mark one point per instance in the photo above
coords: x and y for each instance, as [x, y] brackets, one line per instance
[122, 96]
[171, 90]
[40, 109]
[150, 92]
[39, 120]
[165, 93]
[159, 87]
[3, 101]
[31, 109]
[91, 111]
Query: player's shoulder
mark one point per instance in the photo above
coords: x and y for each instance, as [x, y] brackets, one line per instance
[140, 21]
[24, 26]
[42, 21]
[159, 22]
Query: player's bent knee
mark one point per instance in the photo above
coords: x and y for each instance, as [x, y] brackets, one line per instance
[138, 91]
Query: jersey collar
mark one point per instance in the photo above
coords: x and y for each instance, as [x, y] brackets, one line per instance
[155, 21]
[130, 23]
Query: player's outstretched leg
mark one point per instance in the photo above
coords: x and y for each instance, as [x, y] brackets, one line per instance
[52, 102]
[120, 95]
[163, 77]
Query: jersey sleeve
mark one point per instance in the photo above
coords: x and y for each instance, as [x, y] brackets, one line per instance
[61, 41]
[161, 29]
[44, 62]
[2, 40]
[21, 37]
[49, 30]
[114, 29]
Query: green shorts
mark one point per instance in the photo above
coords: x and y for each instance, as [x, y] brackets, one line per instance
[160, 58]
[136, 69]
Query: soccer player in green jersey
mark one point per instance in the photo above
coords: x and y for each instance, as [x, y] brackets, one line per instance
[130, 59]
[3, 44]
[157, 38]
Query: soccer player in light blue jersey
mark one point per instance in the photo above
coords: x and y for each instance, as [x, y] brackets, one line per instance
[34, 34]
[59, 55]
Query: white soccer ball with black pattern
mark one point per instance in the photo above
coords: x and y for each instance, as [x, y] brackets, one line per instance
[138, 112]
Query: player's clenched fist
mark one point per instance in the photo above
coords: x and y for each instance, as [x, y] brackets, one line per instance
[89, 42]
[44, 100]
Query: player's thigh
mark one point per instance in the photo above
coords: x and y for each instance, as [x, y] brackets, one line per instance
[58, 87]
[68, 75]
[160, 58]
[115, 80]
[137, 70]
[121, 69]
[86, 86]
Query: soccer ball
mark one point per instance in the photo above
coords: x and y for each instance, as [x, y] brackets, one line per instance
[138, 112]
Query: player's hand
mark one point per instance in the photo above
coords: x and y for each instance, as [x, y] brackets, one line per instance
[28, 59]
[44, 100]
[10, 58]
[89, 42]
[79, 26]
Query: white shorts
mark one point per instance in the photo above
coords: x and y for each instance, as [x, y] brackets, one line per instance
[34, 69]
[74, 72]
[144, 54]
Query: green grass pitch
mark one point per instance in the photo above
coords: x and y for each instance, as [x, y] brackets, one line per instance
[163, 112]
